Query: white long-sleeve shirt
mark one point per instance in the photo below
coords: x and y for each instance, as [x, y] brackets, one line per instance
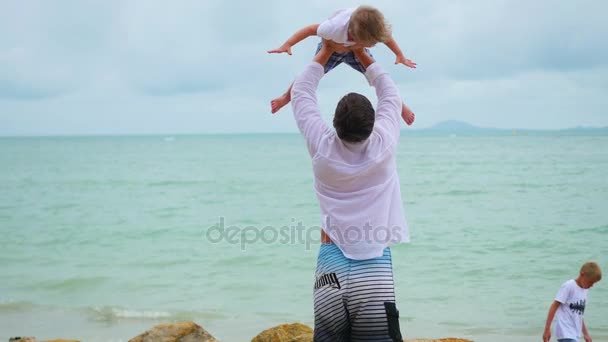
[336, 27]
[356, 183]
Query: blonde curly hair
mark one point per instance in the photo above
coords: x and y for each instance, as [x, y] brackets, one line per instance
[368, 26]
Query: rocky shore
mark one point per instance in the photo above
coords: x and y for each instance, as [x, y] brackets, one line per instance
[191, 332]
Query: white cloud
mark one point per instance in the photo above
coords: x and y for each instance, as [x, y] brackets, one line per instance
[200, 66]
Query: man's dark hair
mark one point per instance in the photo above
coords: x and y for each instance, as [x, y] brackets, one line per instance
[354, 118]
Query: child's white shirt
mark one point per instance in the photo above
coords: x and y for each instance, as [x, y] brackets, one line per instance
[569, 315]
[335, 28]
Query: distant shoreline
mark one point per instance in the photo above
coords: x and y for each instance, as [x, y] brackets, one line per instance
[410, 132]
[449, 126]
[454, 126]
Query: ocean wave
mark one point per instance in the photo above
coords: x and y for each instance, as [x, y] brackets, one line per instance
[528, 185]
[154, 263]
[102, 313]
[69, 284]
[115, 313]
[599, 229]
[59, 207]
[108, 314]
[180, 183]
[9, 305]
[460, 193]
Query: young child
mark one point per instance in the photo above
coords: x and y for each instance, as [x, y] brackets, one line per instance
[569, 306]
[349, 29]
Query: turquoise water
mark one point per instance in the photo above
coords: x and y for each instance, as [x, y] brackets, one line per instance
[103, 237]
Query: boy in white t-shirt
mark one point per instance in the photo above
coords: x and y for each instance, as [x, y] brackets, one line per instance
[350, 29]
[569, 306]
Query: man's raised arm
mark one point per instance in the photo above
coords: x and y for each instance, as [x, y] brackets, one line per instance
[388, 110]
[304, 100]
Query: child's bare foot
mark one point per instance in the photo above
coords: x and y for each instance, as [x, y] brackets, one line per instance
[279, 102]
[407, 115]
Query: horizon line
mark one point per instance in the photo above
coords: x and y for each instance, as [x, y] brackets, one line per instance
[430, 129]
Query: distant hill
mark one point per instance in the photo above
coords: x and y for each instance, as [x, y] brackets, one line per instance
[588, 129]
[455, 126]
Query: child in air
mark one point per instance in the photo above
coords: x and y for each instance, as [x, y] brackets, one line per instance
[353, 28]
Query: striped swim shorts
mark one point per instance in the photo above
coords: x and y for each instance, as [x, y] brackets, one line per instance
[348, 58]
[354, 299]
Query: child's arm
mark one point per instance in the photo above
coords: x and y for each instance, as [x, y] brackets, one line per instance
[392, 44]
[301, 34]
[550, 315]
[586, 333]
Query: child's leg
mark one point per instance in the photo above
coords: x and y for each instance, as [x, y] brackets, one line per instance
[279, 102]
[406, 113]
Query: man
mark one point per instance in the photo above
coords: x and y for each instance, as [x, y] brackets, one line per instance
[362, 214]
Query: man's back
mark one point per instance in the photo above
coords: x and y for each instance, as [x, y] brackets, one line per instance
[359, 195]
[350, 167]
[356, 183]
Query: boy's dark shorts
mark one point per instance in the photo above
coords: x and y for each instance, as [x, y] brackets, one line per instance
[348, 58]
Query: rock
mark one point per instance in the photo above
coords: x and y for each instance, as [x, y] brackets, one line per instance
[449, 339]
[295, 332]
[182, 332]
[33, 339]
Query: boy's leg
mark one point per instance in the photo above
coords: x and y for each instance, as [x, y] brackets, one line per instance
[354, 63]
[371, 301]
[331, 316]
[334, 60]
[406, 113]
[279, 102]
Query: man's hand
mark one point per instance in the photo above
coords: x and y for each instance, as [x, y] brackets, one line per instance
[327, 49]
[335, 47]
[363, 58]
[407, 62]
[283, 48]
[587, 338]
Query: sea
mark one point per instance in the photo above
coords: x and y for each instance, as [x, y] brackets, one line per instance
[103, 237]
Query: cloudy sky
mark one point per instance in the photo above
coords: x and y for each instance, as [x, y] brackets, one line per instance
[141, 67]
